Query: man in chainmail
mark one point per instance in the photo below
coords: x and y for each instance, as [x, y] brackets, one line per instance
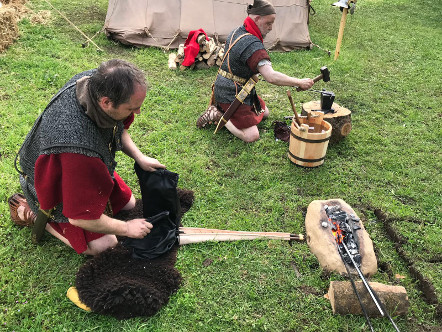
[247, 56]
[67, 161]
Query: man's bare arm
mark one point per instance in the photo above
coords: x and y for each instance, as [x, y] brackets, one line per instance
[277, 78]
[129, 148]
[135, 228]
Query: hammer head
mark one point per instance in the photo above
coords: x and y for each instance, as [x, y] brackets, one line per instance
[325, 74]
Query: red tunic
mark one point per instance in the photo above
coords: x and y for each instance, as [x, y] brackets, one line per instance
[84, 186]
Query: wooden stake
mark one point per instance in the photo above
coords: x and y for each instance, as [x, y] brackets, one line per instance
[341, 32]
[195, 235]
[293, 108]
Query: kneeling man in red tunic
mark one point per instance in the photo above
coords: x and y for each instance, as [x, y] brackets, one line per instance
[67, 161]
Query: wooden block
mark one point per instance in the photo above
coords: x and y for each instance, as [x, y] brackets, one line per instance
[201, 39]
[344, 300]
[340, 119]
[211, 61]
[219, 62]
[172, 61]
[201, 65]
[180, 53]
[209, 49]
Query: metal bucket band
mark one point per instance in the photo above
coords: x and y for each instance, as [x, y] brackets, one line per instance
[310, 140]
[305, 160]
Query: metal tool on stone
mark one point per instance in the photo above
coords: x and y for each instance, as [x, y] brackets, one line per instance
[325, 76]
[340, 218]
[343, 5]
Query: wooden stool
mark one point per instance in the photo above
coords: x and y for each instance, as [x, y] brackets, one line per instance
[340, 120]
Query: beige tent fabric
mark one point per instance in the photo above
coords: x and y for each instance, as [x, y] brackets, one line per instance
[167, 23]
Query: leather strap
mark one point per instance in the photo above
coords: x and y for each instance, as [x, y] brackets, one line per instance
[40, 224]
[232, 77]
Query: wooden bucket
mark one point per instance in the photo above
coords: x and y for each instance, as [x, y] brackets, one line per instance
[309, 142]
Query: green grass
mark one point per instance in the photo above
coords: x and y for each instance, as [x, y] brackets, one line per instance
[388, 74]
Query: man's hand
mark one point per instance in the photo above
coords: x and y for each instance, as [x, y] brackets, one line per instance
[149, 164]
[305, 83]
[138, 228]
[146, 163]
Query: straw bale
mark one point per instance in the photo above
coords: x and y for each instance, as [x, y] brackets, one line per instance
[42, 17]
[8, 27]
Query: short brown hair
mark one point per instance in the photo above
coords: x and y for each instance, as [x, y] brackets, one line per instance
[115, 79]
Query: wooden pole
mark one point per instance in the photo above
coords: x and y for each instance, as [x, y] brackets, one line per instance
[341, 32]
[298, 122]
[195, 235]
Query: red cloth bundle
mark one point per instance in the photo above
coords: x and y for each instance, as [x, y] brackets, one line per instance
[191, 47]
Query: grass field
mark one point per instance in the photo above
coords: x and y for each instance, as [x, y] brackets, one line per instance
[388, 169]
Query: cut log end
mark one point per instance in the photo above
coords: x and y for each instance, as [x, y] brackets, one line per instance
[344, 300]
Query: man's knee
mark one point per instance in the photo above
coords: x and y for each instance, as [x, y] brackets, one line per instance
[250, 134]
[251, 137]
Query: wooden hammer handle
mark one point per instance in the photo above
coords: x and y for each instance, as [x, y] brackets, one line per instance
[293, 107]
[317, 78]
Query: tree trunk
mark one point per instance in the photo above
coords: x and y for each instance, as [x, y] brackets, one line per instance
[344, 300]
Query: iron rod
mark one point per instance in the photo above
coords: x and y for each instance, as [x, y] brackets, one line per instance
[356, 292]
[372, 293]
[367, 286]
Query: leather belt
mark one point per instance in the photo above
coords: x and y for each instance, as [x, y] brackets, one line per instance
[232, 77]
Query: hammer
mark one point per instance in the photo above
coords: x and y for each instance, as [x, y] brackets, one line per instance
[325, 76]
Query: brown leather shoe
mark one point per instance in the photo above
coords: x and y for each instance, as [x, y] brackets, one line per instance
[211, 115]
[15, 201]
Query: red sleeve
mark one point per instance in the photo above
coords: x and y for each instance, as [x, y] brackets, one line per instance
[82, 183]
[256, 57]
[128, 121]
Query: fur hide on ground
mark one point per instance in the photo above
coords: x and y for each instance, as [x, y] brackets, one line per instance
[116, 284]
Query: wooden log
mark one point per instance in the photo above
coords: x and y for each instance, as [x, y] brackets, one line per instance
[340, 119]
[209, 49]
[211, 61]
[201, 39]
[219, 61]
[201, 65]
[180, 53]
[172, 62]
[344, 300]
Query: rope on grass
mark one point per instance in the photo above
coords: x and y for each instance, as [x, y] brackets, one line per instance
[84, 35]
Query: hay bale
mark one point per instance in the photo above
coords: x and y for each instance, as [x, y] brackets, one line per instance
[13, 2]
[8, 27]
[42, 17]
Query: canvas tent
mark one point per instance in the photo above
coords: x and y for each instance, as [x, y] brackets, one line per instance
[167, 23]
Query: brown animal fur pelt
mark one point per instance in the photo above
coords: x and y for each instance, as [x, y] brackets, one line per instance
[114, 283]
